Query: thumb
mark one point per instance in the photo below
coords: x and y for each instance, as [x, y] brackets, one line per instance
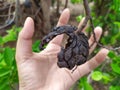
[24, 42]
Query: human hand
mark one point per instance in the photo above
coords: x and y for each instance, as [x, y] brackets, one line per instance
[39, 71]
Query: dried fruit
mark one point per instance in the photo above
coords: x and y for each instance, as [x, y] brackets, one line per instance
[75, 51]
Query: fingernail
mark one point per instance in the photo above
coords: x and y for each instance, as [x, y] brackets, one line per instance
[66, 10]
[106, 51]
[27, 20]
[98, 28]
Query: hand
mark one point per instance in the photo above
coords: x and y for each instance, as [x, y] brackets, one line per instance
[39, 71]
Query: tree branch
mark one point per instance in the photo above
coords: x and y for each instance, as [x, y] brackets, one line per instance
[87, 18]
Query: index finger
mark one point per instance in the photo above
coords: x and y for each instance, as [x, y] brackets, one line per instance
[64, 18]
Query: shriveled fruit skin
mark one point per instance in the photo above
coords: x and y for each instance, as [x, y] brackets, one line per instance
[76, 50]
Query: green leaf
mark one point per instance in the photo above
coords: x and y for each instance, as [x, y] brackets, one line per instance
[1, 57]
[35, 46]
[1, 40]
[4, 72]
[4, 84]
[79, 18]
[97, 75]
[117, 23]
[114, 88]
[17, 29]
[8, 56]
[111, 54]
[11, 36]
[116, 67]
[75, 1]
[114, 56]
[106, 78]
[84, 84]
[2, 64]
[87, 86]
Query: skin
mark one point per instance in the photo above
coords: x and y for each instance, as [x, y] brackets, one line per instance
[39, 71]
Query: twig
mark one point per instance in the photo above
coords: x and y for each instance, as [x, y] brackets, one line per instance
[9, 15]
[17, 12]
[39, 11]
[6, 25]
[66, 4]
[4, 8]
[9, 12]
[87, 11]
[6, 15]
[58, 7]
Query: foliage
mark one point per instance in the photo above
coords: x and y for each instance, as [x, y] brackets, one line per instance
[79, 18]
[96, 75]
[109, 20]
[75, 1]
[84, 84]
[8, 69]
[109, 76]
[35, 46]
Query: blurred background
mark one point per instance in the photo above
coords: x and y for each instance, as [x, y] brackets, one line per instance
[105, 13]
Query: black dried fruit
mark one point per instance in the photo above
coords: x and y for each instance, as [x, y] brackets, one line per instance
[75, 51]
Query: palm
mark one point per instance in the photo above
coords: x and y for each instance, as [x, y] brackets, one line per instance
[48, 70]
